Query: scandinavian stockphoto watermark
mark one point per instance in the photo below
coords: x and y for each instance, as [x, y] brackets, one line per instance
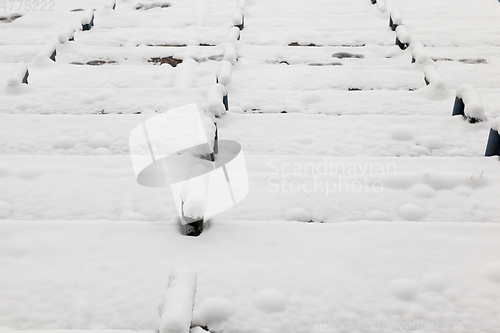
[328, 176]
[168, 150]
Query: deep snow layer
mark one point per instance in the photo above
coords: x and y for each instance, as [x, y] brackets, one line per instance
[252, 276]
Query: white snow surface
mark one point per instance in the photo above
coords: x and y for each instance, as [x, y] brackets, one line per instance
[176, 306]
[369, 205]
[473, 104]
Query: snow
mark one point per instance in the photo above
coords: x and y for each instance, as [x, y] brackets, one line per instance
[64, 142]
[270, 300]
[403, 35]
[411, 212]
[213, 310]
[381, 6]
[17, 74]
[418, 53]
[238, 17]
[230, 53]
[224, 72]
[87, 16]
[234, 35]
[341, 131]
[474, 107]
[396, 17]
[177, 303]
[434, 78]
[195, 193]
[297, 214]
[214, 102]
[65, 35]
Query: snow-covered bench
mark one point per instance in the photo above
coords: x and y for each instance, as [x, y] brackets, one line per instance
[88, 19]
[468, 104]
[224, 73]
[239, 18]
[433, 78]
[67, 35]
[234, 35]
[217, 100]
[48, 51]
[230, 53]
[418, 54]
[176, 306]
[110, 4]
[18, 75]
[403, 38]
[194, 199]
[395, 19]
[493, 147]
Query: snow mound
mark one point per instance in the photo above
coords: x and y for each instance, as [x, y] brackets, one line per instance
[17, 75]
[176, 306]
[5, 210]
[492, 271]
[411, 212]
[195, 192]
[405, 289]
[381, 6]
[224, 72]
[431, 142]
[101, 151]
[215, 104]
[434, 78]
[230, 53]
[271, 300]
[297, 214]
[64, 142]
[418, 53]
[87, 16]
[396, 17]
[422, 191]
[4, 169]
[213, 310]
[403, 35]
[435, 281]
[474, 107]
[377, 215]
[98, 139]
[234, 35]
[401, 133]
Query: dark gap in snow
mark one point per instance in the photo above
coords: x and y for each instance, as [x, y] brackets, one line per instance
[347, 55]
[10, 18]
[77, 10]
[142, 6]
[349, 45]
[165, 60]
[329, 64]
[213, 58]
[205, 44]
[165, 45]
[473, 61]
[95, 62]
[465, 61]
[297, 44]
[354, 89]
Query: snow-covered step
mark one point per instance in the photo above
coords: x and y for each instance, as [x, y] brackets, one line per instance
[373, 55]
[268, 134]
[95, 274]
[311, 78]
[63, 76]
[76, 52]
[317, 35]
[331, 189]
[160, 36]
[477, 75]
